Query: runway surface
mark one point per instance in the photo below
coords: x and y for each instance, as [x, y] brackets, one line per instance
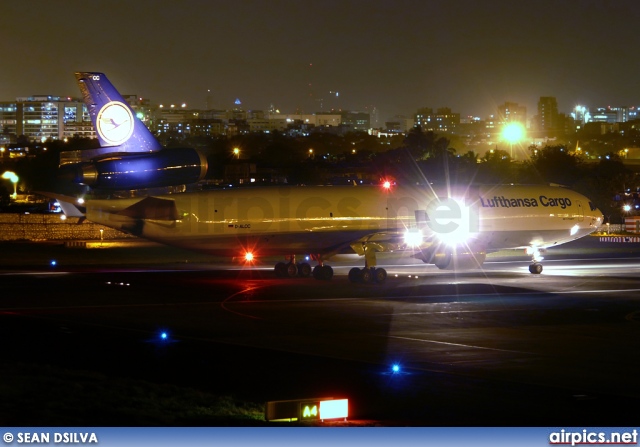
[491, 347]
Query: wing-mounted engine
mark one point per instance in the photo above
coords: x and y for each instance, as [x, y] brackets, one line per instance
[452, 258]
[445, 233]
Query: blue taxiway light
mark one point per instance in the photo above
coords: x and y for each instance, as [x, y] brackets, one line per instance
[53, 263]
[164, 336]
[395, 368]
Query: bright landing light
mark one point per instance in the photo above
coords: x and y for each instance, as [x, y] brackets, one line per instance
[413, 238]
[535, 253]
[574, 229]
[453, 222]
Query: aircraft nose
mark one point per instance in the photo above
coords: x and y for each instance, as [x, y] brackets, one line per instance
[598, 217]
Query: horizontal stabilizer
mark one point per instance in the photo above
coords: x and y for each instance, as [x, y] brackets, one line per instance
[70, 210]
[152, 208]
[69, 204]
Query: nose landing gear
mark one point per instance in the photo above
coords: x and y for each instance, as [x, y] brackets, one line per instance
[536, 255]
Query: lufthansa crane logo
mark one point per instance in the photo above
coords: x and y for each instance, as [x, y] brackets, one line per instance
[115, 123]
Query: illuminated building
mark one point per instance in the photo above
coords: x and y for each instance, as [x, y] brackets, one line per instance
[511, 112]
[443, 120]
[547, 114]
[43, 117]
[610, 115]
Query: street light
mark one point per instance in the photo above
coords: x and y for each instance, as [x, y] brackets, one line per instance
[236, 152]
[13, 178]
[513, 133]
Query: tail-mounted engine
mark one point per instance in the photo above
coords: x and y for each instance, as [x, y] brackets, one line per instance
[127, 171]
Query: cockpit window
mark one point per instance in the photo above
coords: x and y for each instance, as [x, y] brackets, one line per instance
[592, 207]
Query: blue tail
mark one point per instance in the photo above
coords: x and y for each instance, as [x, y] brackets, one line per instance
[115, 122]
[129, 158]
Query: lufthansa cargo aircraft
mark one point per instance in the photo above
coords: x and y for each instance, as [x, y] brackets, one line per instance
[452, 227]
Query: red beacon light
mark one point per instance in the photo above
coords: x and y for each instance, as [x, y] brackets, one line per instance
[386, 184]
[248, 256]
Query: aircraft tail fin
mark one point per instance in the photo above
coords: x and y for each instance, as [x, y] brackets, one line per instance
[130, 158]
[115, 122]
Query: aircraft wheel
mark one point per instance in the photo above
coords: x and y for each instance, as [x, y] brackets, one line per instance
[292, 270]
[354, 274]
[380, 275]
[366, 275]
[304, 269]
[280, 269]
[536, 268]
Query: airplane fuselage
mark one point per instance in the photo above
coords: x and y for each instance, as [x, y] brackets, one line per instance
[277, 220]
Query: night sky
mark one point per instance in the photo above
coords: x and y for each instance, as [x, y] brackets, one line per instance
[396, 56]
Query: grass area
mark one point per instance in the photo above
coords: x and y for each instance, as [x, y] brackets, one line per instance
[53, 396]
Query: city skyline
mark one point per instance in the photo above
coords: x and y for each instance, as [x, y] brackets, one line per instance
[394, 56]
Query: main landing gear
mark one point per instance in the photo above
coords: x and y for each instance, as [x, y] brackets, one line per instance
[370, 273]
[292, 269]
[367, 275]
[536, 254]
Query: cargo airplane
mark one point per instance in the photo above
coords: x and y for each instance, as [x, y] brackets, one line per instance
[449, 227]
